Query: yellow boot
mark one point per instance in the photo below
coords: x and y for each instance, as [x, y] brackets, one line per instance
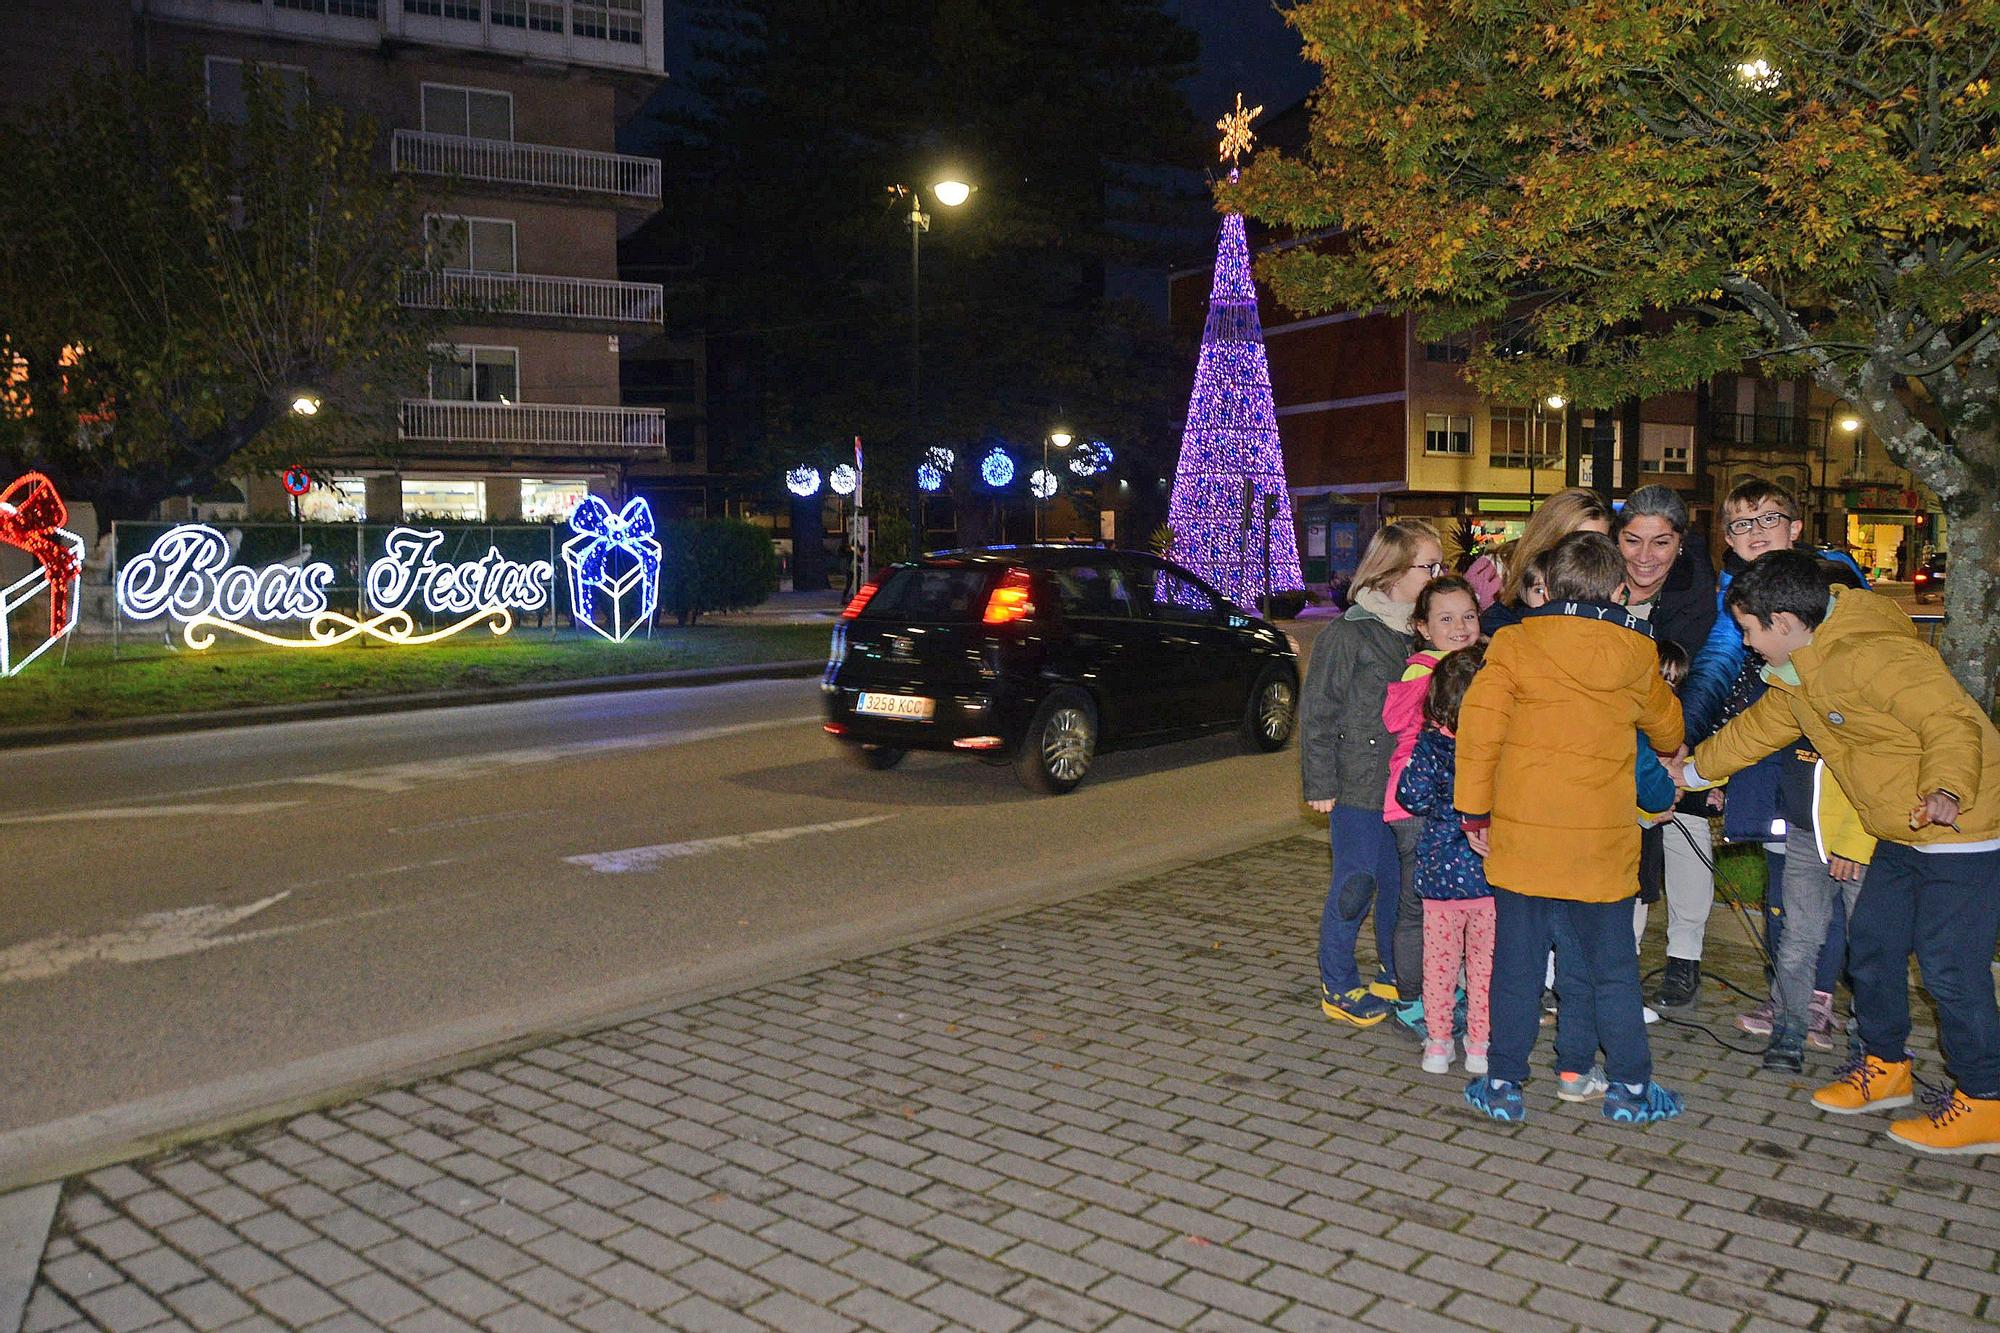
[1957, 1124]
[1866, 1084]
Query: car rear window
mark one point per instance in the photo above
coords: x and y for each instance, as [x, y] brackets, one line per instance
[930, 593]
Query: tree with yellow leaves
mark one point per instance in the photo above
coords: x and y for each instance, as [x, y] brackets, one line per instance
[1634, 195]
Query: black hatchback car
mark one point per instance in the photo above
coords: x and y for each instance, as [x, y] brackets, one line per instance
[1043, 655]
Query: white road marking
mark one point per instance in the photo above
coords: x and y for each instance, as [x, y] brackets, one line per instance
[633, 859]
[198, 809]
[145, 939]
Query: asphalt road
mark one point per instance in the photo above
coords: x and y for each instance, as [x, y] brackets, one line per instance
[199, 925]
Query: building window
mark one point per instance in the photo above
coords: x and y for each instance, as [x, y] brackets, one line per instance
[545, 501]
[611, 20]
[1586, 471]
[478, 375]
[1447, 433]
[353, 9]
[229, 100]
[1523, 437]
[1456, 349]
[445, 499]
[1667, 448]
[658, 383]
[534, 15]
[345, 501]
[683, 443]
[471, 113]
[469, 245]
[444, 9]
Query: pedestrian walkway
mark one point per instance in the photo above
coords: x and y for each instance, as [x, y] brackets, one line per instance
[1121, 1112]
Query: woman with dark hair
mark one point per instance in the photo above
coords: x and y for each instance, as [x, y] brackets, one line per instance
[1669, 582]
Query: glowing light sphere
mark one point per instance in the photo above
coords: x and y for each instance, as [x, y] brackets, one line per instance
[929, 478]
[842, 479]
[996, 469]
[1090, 458]
[802, 481]
[941, 458]
[1042, 483]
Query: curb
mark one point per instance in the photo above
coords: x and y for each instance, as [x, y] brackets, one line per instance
[161, 724]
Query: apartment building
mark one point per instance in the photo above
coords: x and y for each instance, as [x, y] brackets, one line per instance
[509, 108]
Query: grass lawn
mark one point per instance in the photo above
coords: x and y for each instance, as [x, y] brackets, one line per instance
[148, 678]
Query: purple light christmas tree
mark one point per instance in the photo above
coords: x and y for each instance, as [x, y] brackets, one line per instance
[1231, 435]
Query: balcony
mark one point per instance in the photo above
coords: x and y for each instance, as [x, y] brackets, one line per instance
[593, 300]
[1764, 431]
[540, 425]
[531, 165]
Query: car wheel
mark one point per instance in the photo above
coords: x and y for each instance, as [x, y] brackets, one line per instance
[1059, 744]
[877, 757]
[1273, 710]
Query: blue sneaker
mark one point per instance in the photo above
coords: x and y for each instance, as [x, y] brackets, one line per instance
[1650, 1103]
[1356, 1006]
[1497, 1098]
[1409, 1016]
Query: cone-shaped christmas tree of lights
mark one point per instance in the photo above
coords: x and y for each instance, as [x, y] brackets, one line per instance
[1231, 437]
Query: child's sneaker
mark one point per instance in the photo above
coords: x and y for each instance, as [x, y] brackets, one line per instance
[1819, 1021]
[1357, 1006]
[1581, 1087]
[1786, 1053]
[1409, 1016]
[1867, 1084]
[1497, 1098]
[1624, 1106]
[1957, 1124]
[1437, 1057]
[1757, 1022]
[1475, 1057]
[1384, 986]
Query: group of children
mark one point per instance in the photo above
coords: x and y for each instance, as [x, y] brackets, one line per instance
[1486, 799]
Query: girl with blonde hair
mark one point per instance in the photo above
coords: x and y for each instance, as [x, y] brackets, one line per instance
[1344, 751]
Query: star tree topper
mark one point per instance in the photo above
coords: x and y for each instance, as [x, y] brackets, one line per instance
[1235, 127]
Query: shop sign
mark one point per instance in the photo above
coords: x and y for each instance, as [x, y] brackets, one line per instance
[188, 574]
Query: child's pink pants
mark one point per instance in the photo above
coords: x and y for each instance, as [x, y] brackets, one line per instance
[1458, 931]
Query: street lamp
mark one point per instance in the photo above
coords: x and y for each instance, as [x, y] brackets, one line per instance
[1555, 402]
[1060, 438]
[950, 193]
[305, 405]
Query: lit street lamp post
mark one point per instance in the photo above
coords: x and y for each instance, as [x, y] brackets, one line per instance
[1060, 438]
[950, 193]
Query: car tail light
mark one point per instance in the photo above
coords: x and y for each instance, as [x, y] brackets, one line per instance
[860, 600]
[833, 728]
[978, 743]
[1012, 600]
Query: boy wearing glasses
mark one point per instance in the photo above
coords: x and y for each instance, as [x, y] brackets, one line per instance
[1788, 801]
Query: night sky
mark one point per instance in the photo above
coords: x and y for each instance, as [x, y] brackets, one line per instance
[1246, 48]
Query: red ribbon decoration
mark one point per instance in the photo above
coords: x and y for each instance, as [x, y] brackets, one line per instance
[30, 514]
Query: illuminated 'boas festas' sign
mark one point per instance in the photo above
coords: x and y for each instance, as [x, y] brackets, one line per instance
[188, 574]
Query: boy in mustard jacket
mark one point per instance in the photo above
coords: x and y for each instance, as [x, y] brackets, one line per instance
[1921, 762]
[1546, 790]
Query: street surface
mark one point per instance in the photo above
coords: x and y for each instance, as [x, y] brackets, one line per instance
[1119, 1112]
[224, 919]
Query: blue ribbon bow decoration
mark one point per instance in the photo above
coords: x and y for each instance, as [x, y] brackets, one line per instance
[599, 533]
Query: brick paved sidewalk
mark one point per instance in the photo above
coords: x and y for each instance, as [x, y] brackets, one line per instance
[1121, 1112]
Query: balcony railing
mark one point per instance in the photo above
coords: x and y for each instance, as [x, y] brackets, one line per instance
[541, 424]
[537, 165]
[534, 294]
[1767, 431]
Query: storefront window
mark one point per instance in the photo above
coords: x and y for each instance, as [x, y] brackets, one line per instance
[345, 501]
[444, 499]
[542, 501]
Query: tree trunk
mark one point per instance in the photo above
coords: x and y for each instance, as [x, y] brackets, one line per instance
[1971, 640]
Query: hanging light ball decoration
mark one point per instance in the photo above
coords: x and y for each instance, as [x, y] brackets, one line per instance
[841, 479]
[1042, 482]
[1090, 458]
[802, 481]
[996, 469]
[929, 478]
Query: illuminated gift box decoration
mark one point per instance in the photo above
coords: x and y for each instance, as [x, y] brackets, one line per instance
[614, 566]
[32, 517]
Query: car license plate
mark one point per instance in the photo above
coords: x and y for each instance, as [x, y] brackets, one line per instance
[908, 706]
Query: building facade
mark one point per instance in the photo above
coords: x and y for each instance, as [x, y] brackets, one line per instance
[508, 110]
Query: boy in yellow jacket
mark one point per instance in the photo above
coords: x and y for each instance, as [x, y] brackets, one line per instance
[1921, 762]
[1545, 792]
